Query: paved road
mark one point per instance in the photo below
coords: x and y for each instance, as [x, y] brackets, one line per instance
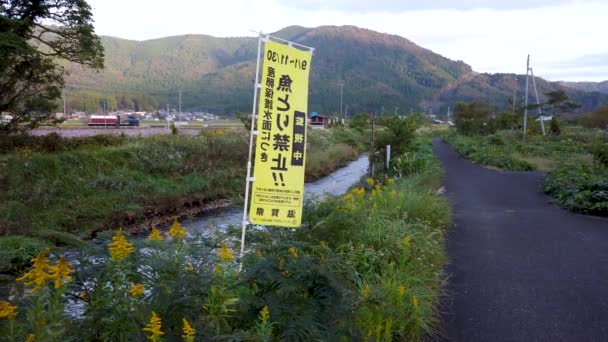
[521, 269]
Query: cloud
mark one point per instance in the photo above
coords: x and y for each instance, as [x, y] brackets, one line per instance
[408, 5]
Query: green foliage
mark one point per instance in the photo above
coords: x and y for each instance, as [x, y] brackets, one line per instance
[579, 187]
[474, 119]
[16, 252]
[366, 265]
[600, 154]
[399, 134]
[488, 151]
[596, 119]
[53, 142]
[88, 188]
[554, 127]
[359, 122]
[33, 36]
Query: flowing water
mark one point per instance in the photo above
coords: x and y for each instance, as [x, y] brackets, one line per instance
[335, 183]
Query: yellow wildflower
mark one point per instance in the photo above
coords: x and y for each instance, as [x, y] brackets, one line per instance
[258, 253]
[225, 253]
[39, 273]
[407, 241]
[30, 338]
[154, 328]
[366, 291]
[348, 197]
[137, 290]
[293, 252]
[188, 266]
[177, 231]
[375, 205]
[369, 333]
[7, 310]
[378, 188]
[155, 235]
[188, 331]
[370, 181]
[120, 248]
[61, 271]
[393, 193]
[359, 191]
[402, 290]
[264, 315]
[415, 302]
[84, 295]
[217, 269]
[390, 181]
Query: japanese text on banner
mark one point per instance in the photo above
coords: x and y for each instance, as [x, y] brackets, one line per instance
[278, 189]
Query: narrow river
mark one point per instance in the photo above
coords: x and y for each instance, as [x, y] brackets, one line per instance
[335, 183]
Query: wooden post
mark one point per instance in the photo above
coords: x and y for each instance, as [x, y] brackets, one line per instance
[372, 152]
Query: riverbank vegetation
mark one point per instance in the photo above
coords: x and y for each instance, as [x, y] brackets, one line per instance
[365, 266]
[573, 156]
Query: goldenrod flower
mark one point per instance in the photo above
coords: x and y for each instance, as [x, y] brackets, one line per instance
[120, 248]
[402, 290]
[359, 191]
[188, 332]
[155, 235]
[390, 181]
[293, 252]
[7, 310]
[370, 181]
[177, 231]
[225, 253]
[378, 188]
[348, 197]
[415, 302]
[154, 328]
[39, 273]
[366, 291]
[264, 315]
[407, 241]
[61, 271]
[30, 338]
[137, 290]
[393, 193]
[218, 269]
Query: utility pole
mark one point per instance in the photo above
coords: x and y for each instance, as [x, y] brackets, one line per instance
[64, 111]
[526, 99]
[180, 105]
[540, 113]
[167, 117]
[341, 91]
[514, 91]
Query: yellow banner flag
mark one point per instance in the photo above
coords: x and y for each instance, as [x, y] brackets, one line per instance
[278, 189]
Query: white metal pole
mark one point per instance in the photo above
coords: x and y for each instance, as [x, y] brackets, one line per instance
[526, 99]
[540, 113]
[249, 179]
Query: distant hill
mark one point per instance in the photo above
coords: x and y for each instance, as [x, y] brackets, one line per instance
[601, 87]
[217, 74]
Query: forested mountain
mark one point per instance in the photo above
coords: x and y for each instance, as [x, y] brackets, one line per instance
[217, 74]
[601, 87]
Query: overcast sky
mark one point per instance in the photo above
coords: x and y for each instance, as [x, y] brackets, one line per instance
[566, 38]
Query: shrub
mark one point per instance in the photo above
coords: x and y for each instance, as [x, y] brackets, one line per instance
[16, 252]
[579, 187]
[474, 118]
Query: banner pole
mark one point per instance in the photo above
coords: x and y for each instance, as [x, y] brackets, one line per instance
[249, 179]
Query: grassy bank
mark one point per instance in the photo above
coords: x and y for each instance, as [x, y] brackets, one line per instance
[65, 189]
[576, 178]
[364, 266]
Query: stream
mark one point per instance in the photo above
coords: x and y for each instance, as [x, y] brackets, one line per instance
[336, 183]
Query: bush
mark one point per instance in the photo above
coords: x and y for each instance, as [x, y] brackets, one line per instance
[53, 142]
[474, 118]
[16, 252]
[596, 119]
[579, 187]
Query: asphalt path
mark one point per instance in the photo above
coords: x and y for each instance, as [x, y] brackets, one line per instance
[520, 268]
